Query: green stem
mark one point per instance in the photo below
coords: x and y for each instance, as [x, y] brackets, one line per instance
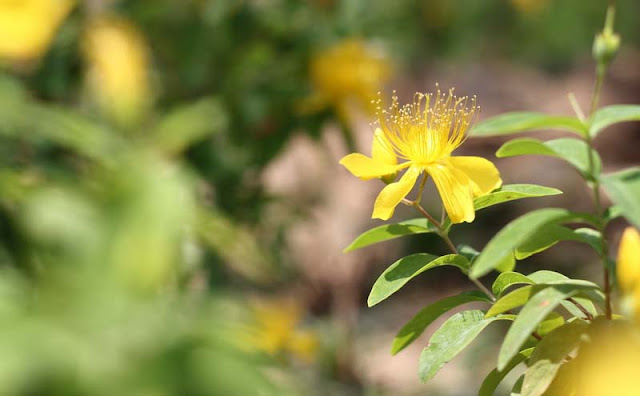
[446, 238]
[595, 186]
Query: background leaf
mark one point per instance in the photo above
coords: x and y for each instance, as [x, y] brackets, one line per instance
[407, 268]
[571, 150]
[533, 312]
[614, 114]
[451, 338]
[491, 382]
[508, 193]
[624, 190]
[391, 231]
[416, 326]
[512, 236]
[516, 122]
[549, 355]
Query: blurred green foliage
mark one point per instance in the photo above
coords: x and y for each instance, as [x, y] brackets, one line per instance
[117, 241]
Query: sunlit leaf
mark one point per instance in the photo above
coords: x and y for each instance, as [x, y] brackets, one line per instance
[624, 190]
[407, 268]
[510, 123]
[614, 114]
[551, 234]
[549, 355]
[495, 377]
[508, 279]
[451, 338]
[513, 235]
[416, 326]
[574, 151]
[510, 192]
[533, 312]
[391, 231]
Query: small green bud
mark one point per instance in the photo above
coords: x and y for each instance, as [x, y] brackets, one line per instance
[605, 47]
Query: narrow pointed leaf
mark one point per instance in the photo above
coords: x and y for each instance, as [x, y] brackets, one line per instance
[533, 312]
[510, 123]
[495, 377]
[391, 231]
[510, 192]
[624, 190]
[512, 236]
[549, 355]
[407, 268]
[572, 150]
[507, 279]
[416, 326]
[610, 115]
[451, 338]
[550, 235]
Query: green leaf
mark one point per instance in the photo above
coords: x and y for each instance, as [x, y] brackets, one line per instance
[416, 326]
[508, 279]
[188, 124]
[407, 268]
[495, 377]
[510, 192]
[507, 265]
[551, 234]
[552, 277]
[391, 231]
[533, 312]
[549, 355]
[624, 190]
[517, 386]
[516, 122]
[522, 295]
[574, 151]
[551, 322]
[513, 300]
[610, 115]
[451, 338]
[513, 235]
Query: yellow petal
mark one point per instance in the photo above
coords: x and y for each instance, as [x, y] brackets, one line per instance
[366, 168]
[455, 190]
[381, 148]
[628, 265]
[392, 194]
[481, 172]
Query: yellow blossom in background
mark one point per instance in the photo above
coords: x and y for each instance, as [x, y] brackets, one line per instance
[628, 271]
[117, 59]
[27, 27]
[606, 365]
[348, 71]
[424, 134]
[276, 330]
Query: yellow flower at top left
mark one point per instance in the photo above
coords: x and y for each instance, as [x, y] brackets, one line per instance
[349, 71]
[27, 27]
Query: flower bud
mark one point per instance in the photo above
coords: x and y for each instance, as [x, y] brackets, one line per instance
[605, 47]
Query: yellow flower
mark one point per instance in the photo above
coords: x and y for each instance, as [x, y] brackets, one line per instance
[349, 70]
[118, 68]
[276, 330]
[424, 134]
[628, 270]
[28, 26]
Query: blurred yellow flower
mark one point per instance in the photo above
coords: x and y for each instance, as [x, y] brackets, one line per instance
[28, 26]
[606, 365]
[348, 71]
[276, 330]
[628, 270]
[425, 133]
[117, 68]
